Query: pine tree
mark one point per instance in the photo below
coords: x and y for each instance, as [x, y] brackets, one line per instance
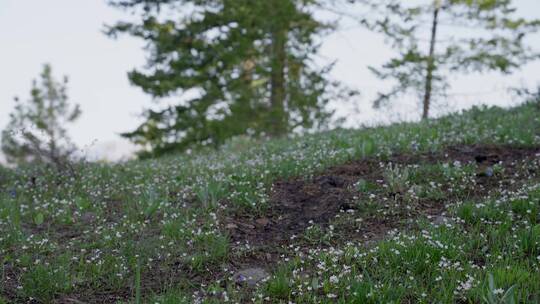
[486, 37]
[37, 131]
[237, 67]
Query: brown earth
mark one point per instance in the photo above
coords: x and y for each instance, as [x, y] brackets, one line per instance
[299, 203]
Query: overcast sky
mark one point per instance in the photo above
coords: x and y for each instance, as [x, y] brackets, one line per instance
[67, 34]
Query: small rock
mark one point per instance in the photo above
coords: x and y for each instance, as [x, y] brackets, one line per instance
[231, 226]
[88, 217]
[485, 171]
[331, 181]
[262, 221]
[466, 149]
[250, 276]
[441, 220]
[248, 226]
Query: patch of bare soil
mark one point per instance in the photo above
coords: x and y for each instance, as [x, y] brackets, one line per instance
[299, 203]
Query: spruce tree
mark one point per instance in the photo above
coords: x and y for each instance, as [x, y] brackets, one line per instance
[236, 67]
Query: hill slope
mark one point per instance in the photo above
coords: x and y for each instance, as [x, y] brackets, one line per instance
[440, 211]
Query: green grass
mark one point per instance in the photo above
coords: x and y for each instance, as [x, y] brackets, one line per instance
[441, 264]
[97, 232]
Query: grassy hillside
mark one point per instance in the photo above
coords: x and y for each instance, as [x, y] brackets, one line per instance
[441, 211]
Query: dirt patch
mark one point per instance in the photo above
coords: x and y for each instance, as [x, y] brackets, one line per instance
[299, 203]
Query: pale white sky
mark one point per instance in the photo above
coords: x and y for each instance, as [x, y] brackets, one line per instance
[67, 34]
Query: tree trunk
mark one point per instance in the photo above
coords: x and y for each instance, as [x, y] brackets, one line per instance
[278, 120]
[431, 60]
